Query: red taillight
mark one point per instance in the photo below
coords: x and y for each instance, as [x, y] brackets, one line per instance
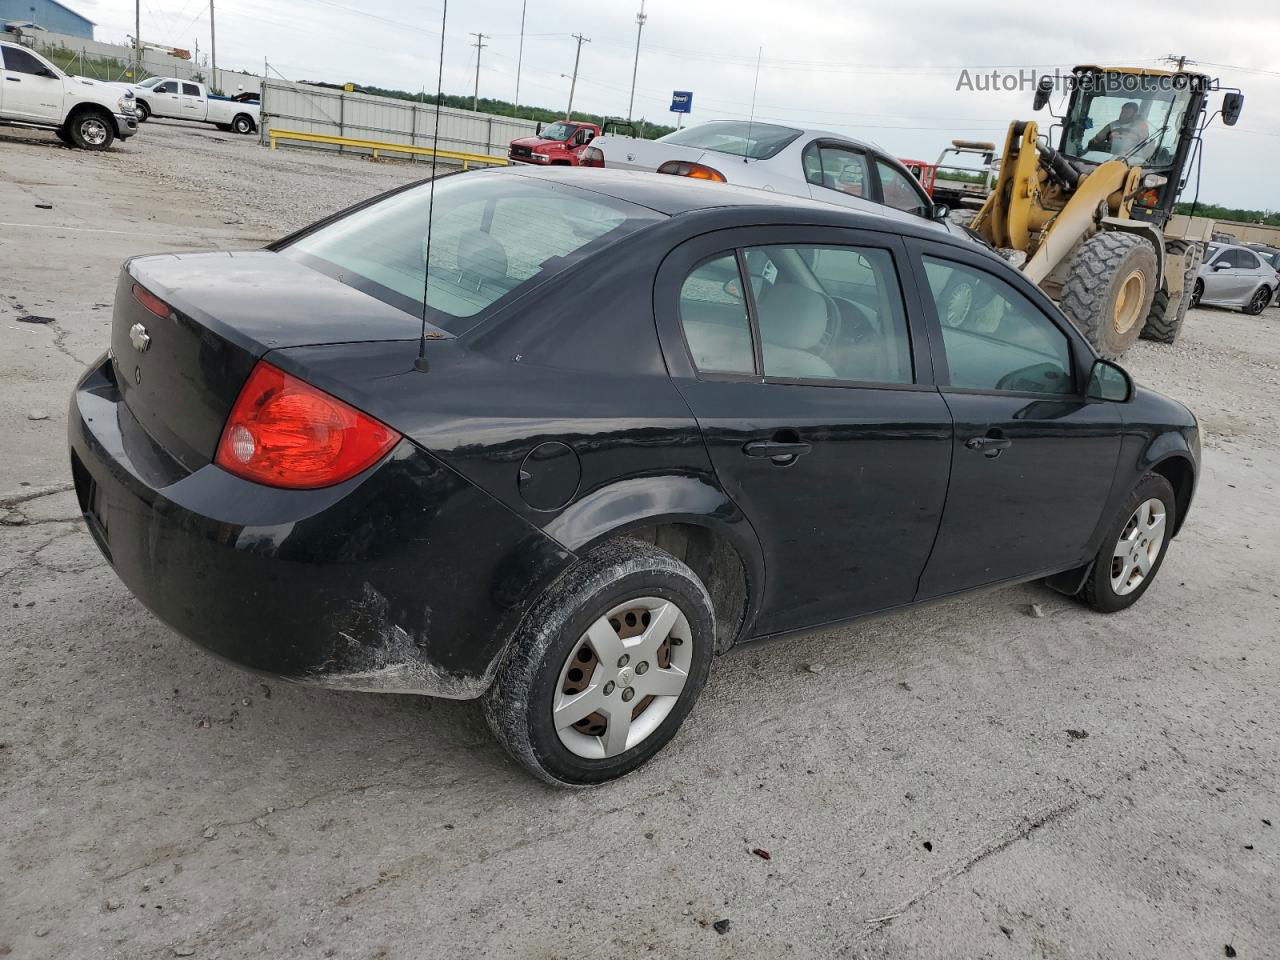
[283, 432]
[149, 300]
[698, 171]
[591, 157]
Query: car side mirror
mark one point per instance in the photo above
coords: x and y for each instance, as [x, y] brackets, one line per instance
[1220, 265]
[1232, 105]
[46, 72]
[1044, 90]
[1109, 381]
[940, 212]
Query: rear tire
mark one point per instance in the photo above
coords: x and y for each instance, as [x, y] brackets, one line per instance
[1259, 302]
[569, 655]
[242, 124]
[1118, 579]
[91, 130]
[1111, 281]
[1164, 322]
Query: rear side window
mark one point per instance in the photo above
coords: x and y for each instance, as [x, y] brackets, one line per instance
[837, 168]
[714, 316]
[190, 90]
[994, 337]
[493, 235]
[830, 313]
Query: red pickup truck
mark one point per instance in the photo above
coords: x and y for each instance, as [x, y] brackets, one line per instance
[556, 145]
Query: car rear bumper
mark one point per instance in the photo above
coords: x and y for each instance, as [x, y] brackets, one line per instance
[405, 579]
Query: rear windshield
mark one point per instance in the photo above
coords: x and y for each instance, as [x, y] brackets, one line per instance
[494, 235]
[757, 141]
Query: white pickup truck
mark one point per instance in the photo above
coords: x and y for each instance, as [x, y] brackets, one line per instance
[177, 99]
[83, 113]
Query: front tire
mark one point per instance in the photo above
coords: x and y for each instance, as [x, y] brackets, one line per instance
[1111, 281]
[142, 111]
[91, 130]
[1134, 547]
[604, 667]
[1197, 292]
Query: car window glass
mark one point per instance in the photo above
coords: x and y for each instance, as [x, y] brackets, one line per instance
[898, 191]
[490, 236]
[19, 61]
[191, 90]
[1247, 260]
[837, 168]
[714, 316]
[994, 337]
[830, 313]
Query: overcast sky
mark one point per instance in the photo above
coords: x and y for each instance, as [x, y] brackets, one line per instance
[886, 71]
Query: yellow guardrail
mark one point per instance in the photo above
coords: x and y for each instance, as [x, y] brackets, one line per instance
[383, 146]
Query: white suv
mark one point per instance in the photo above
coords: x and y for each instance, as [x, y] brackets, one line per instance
[83, 113]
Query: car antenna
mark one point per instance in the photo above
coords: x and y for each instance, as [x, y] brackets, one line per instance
[420, 363]
[751, 122]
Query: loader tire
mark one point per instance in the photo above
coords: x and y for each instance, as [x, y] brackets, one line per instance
[1111, 280]
[1164, 322]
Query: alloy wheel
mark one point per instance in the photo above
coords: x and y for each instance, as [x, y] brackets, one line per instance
[1138, 547]
[1259, 301]
[623, 678]
[94, 131]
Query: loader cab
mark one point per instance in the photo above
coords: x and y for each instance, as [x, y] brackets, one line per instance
[1147, 118]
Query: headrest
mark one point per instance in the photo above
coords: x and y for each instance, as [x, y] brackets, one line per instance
[793, 316]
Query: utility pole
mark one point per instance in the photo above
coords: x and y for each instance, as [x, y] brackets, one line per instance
[573, 83]
[520, 55]
[213, 49]
[137, 41]
[1179, 60]
[640, 19]
[479, 45]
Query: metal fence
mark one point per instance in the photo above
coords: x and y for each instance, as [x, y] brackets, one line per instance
[114, 62]
[312, 109]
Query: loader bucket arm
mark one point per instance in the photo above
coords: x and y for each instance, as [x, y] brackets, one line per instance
[1105, 186]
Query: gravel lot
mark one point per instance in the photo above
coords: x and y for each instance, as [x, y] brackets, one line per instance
[960, 781]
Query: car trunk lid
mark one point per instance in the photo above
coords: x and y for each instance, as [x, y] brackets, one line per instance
[181, 372]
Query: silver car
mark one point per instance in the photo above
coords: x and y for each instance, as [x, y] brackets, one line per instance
[803, 163]
[1235, 276]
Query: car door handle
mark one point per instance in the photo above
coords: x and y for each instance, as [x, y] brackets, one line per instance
[14, 79]
[779, 451]
[989, 446]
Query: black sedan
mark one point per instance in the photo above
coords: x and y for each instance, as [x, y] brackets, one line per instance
[639, 420]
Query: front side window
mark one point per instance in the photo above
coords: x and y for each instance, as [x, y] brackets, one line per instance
[994, 337]
[492, 234]
[714, 317]
[837, 168]
[751, 141]
[19, 61]
[899, 192]
[830, 313]
[167, 88]
[190, 90]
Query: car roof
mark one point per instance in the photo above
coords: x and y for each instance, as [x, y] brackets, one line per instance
[805, 132]
[673, 196]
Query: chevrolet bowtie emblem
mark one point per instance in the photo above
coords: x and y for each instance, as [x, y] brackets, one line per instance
[139, 337]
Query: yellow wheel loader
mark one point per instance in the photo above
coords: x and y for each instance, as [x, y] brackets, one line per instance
[1091, 220]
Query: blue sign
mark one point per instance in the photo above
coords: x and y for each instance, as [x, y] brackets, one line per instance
[681, 101]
